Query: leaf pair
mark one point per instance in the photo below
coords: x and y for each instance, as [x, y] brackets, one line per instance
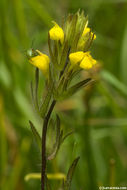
[41, 109]
[59, 139]
[75, 88]
[36, 134]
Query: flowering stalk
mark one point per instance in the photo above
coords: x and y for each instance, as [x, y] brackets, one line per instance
[69, 54]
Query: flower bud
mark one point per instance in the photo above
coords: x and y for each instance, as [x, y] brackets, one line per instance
[56, 33]
[40, 61]
[85, 40]
[88, 30]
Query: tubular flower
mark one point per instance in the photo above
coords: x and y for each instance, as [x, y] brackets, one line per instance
[76, 57]
[87, 62]
[56, 33]
[40, 61]
[88, 30]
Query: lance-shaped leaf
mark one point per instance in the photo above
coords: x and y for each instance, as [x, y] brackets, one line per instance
[73, 29]
[70, 173]
[65, 63]
[68, 78]
[36, 86]
[45, 104]
[34, 92]
[64, 55]
[72, 90]
[36, 134]
[67, 135]
[78, 86]
[58, 140]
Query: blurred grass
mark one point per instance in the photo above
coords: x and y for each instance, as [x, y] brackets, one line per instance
[24, 22]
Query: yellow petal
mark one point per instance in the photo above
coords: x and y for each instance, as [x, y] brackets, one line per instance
[76, 57]
[88, 61]
[56, 33]
[41, 61]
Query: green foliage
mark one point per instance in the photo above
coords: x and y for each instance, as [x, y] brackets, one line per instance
[60, 138]
[70, 173]
[36, 134]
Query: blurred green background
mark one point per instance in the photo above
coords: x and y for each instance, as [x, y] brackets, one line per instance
[98, 114]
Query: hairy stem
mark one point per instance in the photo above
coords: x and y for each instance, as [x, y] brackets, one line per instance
[44, 132]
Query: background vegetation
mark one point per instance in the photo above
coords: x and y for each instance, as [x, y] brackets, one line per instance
[98, 114]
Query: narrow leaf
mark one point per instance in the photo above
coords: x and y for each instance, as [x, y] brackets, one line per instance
[67, 135]
[36, 85]
[72, 90]
[36, 134]
[123, 57]
[45, 104]
[111, 79]
[70, 174]
[57, 142]
[79, 85]
[64, 54]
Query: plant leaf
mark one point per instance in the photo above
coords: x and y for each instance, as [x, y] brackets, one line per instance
[36, 134]
[64, 55]
[45, 104]
[111, 79]
[72, 90]
[36, 86]
[58, 140]
[67, 135]
[70, 173]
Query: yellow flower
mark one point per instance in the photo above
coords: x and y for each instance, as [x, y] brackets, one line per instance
[56, 33]
[76, 57]
[41, 61]
[87, 62]
[86, 31]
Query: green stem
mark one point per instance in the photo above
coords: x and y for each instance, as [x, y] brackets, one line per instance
[44, 132]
